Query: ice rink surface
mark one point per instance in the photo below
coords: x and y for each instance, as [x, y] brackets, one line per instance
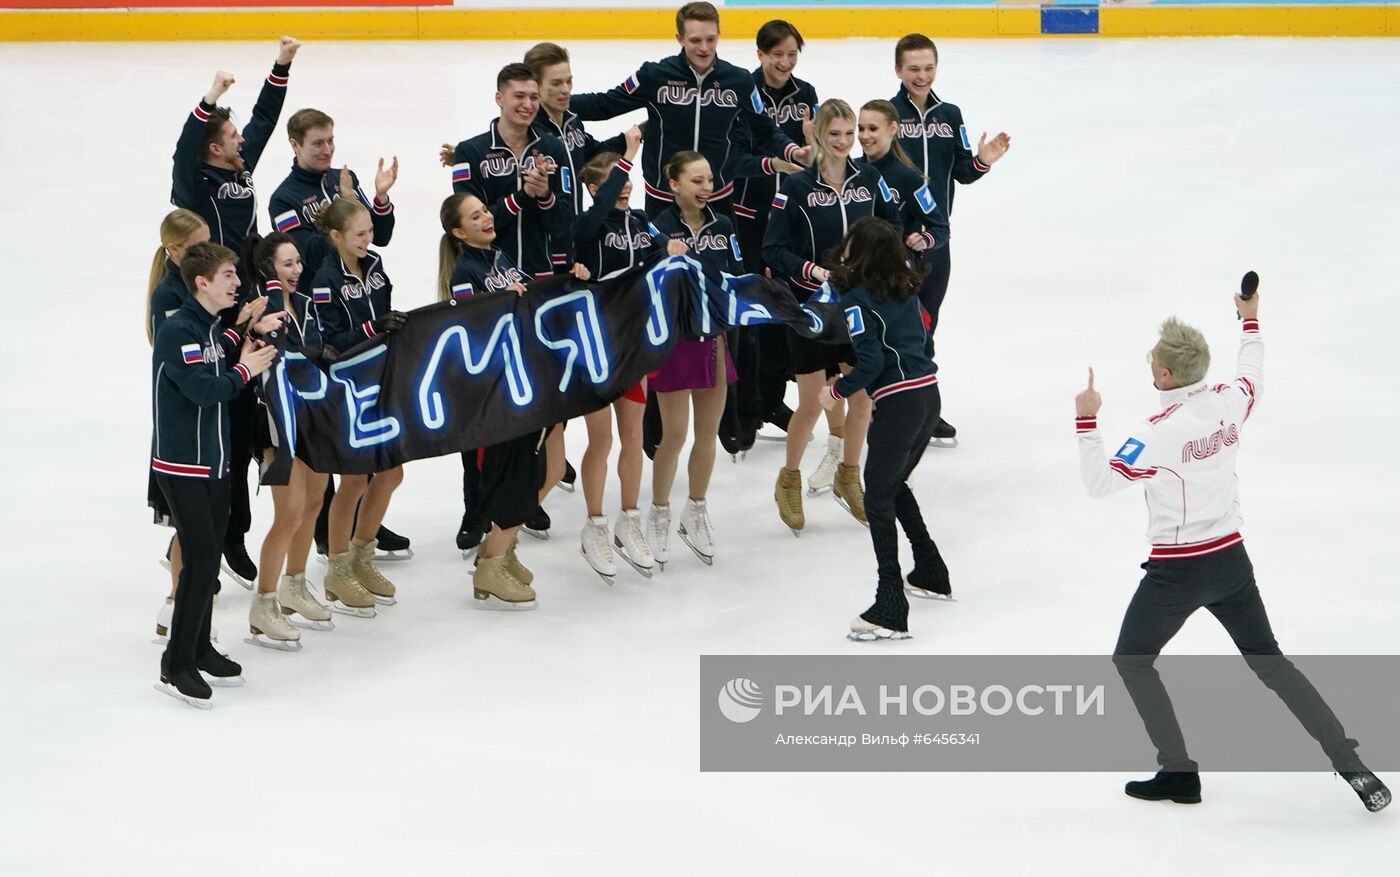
[1145, 176]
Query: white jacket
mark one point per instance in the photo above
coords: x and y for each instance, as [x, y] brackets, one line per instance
[1185, 457]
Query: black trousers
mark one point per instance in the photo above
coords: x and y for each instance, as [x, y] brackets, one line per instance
[899, 433]
[938, 266]
[199, 508]
[243, 414]
[1224, 584]
[511, 477]
[471, 482]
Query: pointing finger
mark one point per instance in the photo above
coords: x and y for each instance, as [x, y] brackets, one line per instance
[1091, 377]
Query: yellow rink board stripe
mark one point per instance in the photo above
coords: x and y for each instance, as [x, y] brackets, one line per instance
[652, 24]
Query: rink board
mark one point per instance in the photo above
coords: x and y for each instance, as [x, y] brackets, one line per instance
[92, 20]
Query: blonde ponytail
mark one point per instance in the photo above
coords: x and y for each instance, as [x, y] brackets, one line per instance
[175, 228]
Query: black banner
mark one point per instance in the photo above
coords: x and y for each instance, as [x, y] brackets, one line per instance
[481, 370]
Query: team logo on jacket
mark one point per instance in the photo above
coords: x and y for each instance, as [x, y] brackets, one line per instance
[793, 112]
[236, 189]
[499, 280]
[734, 245]
[566, 180]
[885, 191]
[1201, 448]
[461, 173]
[675, 93]
[287, 221]
[709, 242]
[573, 139]
[828, 198]
[616, 240]
[914, 129]
[355, 289]
[855, 323]
[924, 198]
[967, 141]
[1131, 450]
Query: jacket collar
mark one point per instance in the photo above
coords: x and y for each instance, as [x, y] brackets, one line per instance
[198, 312]
[1171, 397]
[852, 169]
[904, 98]
[369, 260]
[545, 122]
[497, 142]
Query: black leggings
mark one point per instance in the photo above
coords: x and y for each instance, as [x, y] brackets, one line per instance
[243, 414]
[900, 430]
[199, 509]
[1223, 583]
[935, 285]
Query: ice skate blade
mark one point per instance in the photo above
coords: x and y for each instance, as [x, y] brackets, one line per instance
[739, 457]
[566, 487]
[222, 681]
[708, 560]
[247, 585]
[842, 503]
[880, 634]
[353, 611]
[488, 600]
[165, 563]
[609, 577]
[813, 490]
[946, 444]
[643, 571]
[197, 703]
[542, 535]
[305, 623]
[386, 601]
[925, 594]
[393, 556]
[469, 553]
[277, 645]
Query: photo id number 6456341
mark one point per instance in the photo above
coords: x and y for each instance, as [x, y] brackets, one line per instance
[946, 739]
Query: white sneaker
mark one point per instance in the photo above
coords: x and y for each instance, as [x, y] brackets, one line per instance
[659, 534]
[596, 548]
[821, 480]
[695, 531]
[631, 543]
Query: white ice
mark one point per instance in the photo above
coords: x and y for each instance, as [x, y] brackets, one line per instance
[1145, 177]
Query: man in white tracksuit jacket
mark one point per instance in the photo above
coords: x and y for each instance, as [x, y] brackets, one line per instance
[1184, 456]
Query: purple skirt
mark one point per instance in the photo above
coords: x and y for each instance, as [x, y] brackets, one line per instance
[692, 367]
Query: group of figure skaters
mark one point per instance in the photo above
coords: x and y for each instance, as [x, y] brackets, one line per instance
[745, 172]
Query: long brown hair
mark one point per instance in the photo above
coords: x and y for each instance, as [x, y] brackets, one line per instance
[450, 246]
[174, 228]
[878, 261]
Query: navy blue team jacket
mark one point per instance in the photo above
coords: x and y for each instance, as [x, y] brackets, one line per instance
[686, 110]
[300, 199]
[607, 240]
[939, 146]
[891, 345]
[226, 199]
[192, 384]
[536, 234]
[346, 306]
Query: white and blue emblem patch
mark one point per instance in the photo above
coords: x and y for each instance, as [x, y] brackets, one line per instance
[885, 190]
[855, 323]
[925, 199]
[756, 100]
[566, 180]
[1131, 450]
[734, 245]
[967, 142]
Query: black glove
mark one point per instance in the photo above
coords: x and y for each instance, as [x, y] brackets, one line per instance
[391, 322]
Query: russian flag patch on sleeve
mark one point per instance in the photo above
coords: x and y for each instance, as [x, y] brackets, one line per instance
[855, 323]
[321, 295]
[780, 200]
[192, 353]
[462, 172]
[287, 221]
[462, 290]
[631, 84]
[925, 199]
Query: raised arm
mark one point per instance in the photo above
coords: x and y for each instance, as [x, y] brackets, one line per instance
[1104, 475]
[268, 108]
[622, 98]
[184, 174]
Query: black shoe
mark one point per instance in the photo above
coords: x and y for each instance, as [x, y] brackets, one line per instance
[929, 577]
[779, 416]
[1368, 788]
[944, 430]
[391, 546]
[221, 670]
[1182, 787]
[188, 686]
[538, 524]
[239, 564]
[472, 531]
[570, 476]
